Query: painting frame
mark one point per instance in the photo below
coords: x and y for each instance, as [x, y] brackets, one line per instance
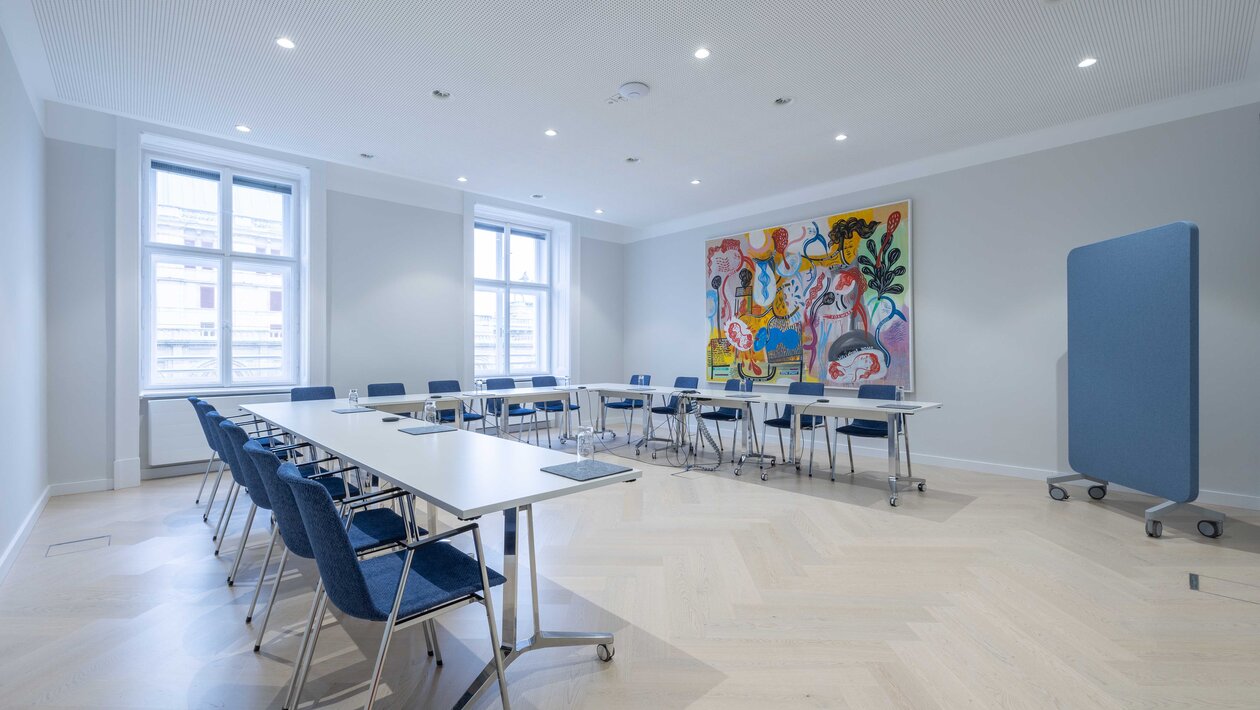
[825, 299]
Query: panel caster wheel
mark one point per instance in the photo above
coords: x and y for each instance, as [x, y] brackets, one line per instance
[922, 486]
[1154, 528]
[1211, 528]
[605, 651]
[1097, 492]
[1058, 493]
[764, 476]
[892, 500]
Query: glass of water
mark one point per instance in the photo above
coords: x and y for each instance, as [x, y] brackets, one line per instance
[585, 443]
[354, 398]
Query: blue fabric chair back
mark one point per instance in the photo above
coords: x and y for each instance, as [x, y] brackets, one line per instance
[307, 394]
[494, 406]
[201, 418]
[283, 506]
[204, 409]
[546, 381]
[638, 381]
[736, 385]
[226, 449]
[809, 388]
[235, 438]
[682, 383]
[875, 392]
[443, 386]
[386, 389]
[338, 564]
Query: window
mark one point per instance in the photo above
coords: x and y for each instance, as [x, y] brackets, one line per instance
[511, 299]
[221, 270]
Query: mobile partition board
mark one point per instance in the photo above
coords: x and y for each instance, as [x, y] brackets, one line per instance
[1133, 370]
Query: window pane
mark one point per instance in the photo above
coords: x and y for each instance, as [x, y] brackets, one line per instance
[487, 331]
[186, 207]
[261, 346]
[529, 256]
[184, 348]
[260, 218]
[487, 251]
[527, 336]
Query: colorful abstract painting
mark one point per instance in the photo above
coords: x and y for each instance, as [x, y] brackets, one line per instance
[822, 300]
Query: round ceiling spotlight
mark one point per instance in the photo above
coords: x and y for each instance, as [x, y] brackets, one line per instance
[550, 133]
[702, 53]
[243, 128]
[695, 182]
[285, 42]
[441, 94]
[1087, 62]
[841, 137]
[461, 178]
[783, 101]
[632, 90]
[598, 211]
[536, 196]
[367, 156]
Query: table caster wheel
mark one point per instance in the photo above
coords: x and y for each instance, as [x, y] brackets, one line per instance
[636, 452]
[1058, 493]
[1211, 528]
[922, 487]
[605, 651]
[764, 476]
[1154, 528]
[892, 500]
[1097, 492]
[653, 455]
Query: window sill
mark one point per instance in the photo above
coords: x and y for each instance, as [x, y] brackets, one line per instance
[214, 392]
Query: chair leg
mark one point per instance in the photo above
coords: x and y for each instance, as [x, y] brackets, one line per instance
[271, 604]
[299, 680]
[225, 516]
[240, 551]
[813, 439]
[206, 477]
[549, 431]
[831, 459]
[210, 504]
[262, 574]
[437, 647]
[849, 440]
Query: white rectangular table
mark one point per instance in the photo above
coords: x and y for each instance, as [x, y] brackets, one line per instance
[463, 473]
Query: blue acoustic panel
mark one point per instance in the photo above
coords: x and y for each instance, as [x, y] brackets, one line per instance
[1133, 361]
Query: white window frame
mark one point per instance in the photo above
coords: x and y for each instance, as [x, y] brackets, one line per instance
[292, 303]
[506, 285]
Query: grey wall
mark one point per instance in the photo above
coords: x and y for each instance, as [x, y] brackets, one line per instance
[79, 211]
[23, 477]
[989, 251]
[395, 284]
[600, 323]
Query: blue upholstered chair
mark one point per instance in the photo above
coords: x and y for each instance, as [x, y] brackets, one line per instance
[307, 394]
[447, 416]
[495, 406]
[429, 578]
[386, 389]
[555, 406]
[670, 409]
[730, 414]
[203, 408]
[205, 430]
[629, 404]
[371, 529]
[873, 428]
[808, 421]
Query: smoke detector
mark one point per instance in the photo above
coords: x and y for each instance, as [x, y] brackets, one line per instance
[629, 91]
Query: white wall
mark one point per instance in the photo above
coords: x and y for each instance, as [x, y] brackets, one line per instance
[79, 212]
[23, 476]
[601, 325]
[989, 250]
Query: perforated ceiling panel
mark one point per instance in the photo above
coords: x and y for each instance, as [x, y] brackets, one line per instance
[902, 78]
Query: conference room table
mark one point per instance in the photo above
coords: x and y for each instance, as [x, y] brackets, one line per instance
[464, 473]
[406, 403]
[825, 405]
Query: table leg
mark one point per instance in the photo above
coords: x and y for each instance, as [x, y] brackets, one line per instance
[512, 649]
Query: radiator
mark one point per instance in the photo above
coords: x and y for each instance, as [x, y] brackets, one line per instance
[173, 434]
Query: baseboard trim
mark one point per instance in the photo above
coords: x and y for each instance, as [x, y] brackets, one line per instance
[24, 531]
[90, 486]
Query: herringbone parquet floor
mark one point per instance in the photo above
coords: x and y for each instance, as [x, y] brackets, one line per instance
[723, 593]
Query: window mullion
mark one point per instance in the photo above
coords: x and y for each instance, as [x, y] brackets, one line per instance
[225, 241]
[506, 309]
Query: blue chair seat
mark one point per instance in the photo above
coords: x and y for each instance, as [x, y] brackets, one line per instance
[377, 527]
[440, 573]
[720, 416]
[519, 410]
[808, 421]
[555, 406]
[623, 404]
[448, 415]
[874, 430]
[664, 409]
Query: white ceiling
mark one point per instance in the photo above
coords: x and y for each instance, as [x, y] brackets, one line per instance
[904, 79]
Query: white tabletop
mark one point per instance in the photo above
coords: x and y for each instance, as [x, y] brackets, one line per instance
[464, 473]
[834, 403]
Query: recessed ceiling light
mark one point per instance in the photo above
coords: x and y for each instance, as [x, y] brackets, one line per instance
[441, 94]
[550, 133]
[702, 53]
[1087, 62]
[841, 137]
[783, 101]
[285, 42]
[367, 156]
[632, 159]
[242, 128]
[461, 178]
[536, 196]
[695, 182]
[598, 211]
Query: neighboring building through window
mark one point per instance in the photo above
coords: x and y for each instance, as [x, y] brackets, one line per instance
[221, 276]
[511, 299]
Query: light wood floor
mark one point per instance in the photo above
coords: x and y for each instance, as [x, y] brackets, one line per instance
[723, 593]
